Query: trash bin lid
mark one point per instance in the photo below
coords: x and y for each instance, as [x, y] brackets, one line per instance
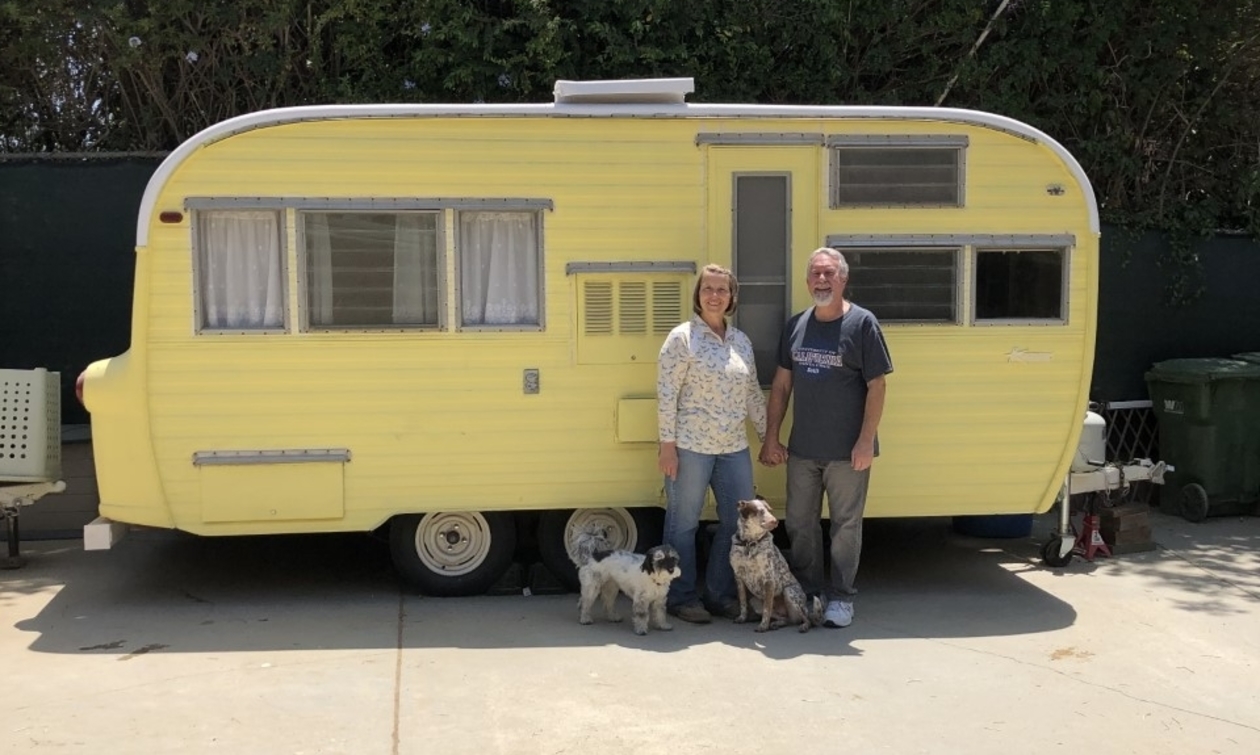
[1204, 370]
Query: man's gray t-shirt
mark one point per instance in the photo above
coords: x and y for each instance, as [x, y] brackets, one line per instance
[831, 363]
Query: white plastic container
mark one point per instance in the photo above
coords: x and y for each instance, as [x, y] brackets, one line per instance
[30, 425]
[1091, 452]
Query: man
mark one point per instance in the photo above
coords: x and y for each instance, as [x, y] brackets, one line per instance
[835, 358]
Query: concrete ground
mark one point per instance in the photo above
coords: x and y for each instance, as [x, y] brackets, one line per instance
[269, 645]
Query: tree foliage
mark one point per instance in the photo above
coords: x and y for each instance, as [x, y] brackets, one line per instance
[1159, 99]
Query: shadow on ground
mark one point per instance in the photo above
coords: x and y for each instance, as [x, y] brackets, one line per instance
[170, 592]
[180, 593]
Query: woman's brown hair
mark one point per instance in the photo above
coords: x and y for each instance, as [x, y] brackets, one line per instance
[730, 281]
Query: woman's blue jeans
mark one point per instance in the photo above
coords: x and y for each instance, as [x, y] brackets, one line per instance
[731, 477]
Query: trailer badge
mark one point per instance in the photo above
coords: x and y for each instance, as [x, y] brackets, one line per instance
[1021, 355]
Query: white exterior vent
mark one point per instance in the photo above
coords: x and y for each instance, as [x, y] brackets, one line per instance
[623, 91]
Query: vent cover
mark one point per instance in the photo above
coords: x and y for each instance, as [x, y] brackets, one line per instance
[626, 320]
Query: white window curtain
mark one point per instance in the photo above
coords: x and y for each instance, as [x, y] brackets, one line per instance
[415, 270]
[319, 269]
[499, 268]
[241, 280]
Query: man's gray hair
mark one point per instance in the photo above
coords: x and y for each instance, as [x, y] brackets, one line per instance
[836, 257]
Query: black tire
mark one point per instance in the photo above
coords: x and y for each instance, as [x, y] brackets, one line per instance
[1194, 503]
[635, 529]
[1051, 553]
[452, 553]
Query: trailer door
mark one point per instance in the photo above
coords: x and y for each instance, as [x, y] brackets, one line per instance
[763, 222]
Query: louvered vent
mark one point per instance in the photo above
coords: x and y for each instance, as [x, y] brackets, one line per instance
[632, 315]
[598, 306]
[666, 306]
[623, 319]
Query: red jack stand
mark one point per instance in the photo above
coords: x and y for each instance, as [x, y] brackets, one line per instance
[1090, 541]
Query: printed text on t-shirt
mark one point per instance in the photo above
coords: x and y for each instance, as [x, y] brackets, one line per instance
[814, 360]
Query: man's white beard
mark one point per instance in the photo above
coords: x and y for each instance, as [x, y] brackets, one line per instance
[823, 298]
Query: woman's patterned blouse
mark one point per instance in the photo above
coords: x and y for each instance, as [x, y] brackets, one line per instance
[706, 387]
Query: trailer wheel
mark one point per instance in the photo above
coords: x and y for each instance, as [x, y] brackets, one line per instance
[1051, 553]
[635, 529]
[1194, 503]
[452, 553]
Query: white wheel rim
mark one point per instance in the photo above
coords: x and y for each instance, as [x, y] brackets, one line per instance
[622, 531]
[453, 544]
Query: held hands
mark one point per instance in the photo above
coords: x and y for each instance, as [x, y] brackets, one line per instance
[667, 460]
[772, 453]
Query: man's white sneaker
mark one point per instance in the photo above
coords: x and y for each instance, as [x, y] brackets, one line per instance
[839, 613]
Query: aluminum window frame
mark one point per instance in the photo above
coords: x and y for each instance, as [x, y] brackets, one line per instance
[282, 228]
[1065, 281]
[958, 143]
[376, 207]
[457, 283]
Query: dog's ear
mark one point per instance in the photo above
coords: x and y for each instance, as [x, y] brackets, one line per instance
[743, 507]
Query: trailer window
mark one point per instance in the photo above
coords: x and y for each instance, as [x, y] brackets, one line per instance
[240, 272]
[1020, 284]
[905, 285]
[500, 268]
[371, 269]
[890, 176]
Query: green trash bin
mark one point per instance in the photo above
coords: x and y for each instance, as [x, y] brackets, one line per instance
[1209, 431]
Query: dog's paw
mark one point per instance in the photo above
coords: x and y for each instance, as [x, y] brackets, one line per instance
[804, 627]
[615, 618]
[740, 619]
[666, 627]
[640, 631]
[585, 620]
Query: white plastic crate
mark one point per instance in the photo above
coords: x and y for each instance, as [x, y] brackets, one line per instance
[30, 425]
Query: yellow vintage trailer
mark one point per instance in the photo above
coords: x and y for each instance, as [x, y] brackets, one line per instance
[432, 317]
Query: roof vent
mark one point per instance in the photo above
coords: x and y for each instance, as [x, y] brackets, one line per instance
[623, 91]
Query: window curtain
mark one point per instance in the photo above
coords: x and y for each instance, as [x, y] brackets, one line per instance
[499, 268]
[319, 269]
[415, 270]
[241, 281]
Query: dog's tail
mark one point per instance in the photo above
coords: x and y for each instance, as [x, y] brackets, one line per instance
[591, 539]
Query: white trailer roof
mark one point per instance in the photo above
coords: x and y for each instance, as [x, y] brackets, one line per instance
[641, 98]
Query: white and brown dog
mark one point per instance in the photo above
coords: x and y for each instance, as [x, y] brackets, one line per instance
[760, 569]
[604, 571]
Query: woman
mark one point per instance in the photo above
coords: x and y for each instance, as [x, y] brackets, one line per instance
[706, 387]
